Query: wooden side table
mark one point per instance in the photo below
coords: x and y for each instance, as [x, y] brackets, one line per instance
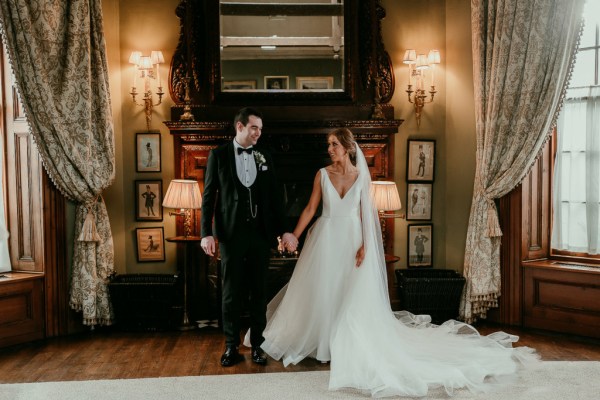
[186, 240]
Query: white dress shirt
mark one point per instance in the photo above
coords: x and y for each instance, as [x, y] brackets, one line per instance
[244, 165]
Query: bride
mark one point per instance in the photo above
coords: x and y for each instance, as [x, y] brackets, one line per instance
[336, 306]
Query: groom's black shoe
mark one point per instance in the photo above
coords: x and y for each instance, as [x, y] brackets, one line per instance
[258, 356]
[230, 357]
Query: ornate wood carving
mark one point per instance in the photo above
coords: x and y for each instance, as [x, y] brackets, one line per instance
[374, 59]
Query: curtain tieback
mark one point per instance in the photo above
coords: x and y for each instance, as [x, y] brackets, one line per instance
[493, 226]
[88, 230]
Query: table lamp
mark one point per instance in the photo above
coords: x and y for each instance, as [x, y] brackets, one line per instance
[185, 195]
[386, 199]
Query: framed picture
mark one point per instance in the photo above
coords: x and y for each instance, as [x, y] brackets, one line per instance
[418, 202]
[421, 160]
[150, 244]
[148, 200]
[420, 245]
[277, 82]
[147, 152]
[239, 85]
[314, 82]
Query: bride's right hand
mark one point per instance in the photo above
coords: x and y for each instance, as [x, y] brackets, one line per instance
[360, 256]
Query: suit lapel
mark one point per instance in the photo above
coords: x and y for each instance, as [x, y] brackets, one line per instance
[231, 159]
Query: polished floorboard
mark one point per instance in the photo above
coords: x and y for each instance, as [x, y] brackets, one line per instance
[107, 353]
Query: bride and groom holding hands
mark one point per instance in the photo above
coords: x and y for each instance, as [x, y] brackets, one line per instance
[335, 307]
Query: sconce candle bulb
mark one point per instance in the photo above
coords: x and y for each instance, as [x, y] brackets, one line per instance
[423, 64]
[144, 66]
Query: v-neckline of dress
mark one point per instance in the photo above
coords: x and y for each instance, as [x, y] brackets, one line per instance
[335, 190]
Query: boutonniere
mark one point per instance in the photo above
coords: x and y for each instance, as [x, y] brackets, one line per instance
[260, 160]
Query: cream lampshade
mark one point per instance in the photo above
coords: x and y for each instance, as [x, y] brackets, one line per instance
[185, 195]
[385, 197]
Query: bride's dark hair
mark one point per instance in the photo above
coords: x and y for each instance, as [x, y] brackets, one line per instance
[346, 139]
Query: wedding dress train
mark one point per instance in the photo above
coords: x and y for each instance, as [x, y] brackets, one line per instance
[332, 310]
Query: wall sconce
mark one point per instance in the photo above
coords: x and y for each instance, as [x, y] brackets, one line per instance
[417, 74]
[386, 198]
[185, 195]
[144, 68]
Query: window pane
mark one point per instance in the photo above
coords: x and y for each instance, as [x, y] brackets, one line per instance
[591, 16]
[583, 73]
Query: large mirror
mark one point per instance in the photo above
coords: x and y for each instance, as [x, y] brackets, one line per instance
[282, 45]
[280, 52]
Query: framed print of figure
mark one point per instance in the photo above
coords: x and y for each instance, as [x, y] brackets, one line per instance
[420, 245]
[150, 244]
[148, 200]
[277, 82]
[418, 201]
[147, 152]
[420, 160]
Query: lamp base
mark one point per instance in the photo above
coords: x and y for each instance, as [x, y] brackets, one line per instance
[185, 324]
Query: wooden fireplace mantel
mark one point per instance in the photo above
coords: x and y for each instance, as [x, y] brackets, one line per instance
[299, 149]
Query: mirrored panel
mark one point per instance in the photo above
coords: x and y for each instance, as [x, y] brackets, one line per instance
[282, 45]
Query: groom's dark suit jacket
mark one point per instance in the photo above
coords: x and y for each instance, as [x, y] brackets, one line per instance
[222, 208]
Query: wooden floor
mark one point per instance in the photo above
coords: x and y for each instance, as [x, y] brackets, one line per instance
[111, 354]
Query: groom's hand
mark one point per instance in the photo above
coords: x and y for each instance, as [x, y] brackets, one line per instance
[290, 241]
[208, 245]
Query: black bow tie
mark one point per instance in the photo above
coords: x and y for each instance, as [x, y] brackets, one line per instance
[247, 150]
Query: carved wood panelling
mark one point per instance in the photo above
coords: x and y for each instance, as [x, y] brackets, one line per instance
[24, 199]
[536, 208]
[36, 222]
[22, 310]
[562, 299]
[18, 113]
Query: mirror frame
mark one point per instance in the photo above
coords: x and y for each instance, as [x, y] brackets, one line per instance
[198, 57]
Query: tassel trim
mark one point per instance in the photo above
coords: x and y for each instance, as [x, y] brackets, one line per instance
[90, 321]
[88, 230]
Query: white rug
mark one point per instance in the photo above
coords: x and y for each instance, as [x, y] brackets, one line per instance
[553, 380]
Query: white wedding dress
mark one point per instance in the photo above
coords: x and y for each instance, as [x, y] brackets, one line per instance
[332, 310]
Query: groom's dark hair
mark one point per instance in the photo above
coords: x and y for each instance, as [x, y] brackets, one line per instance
[244, 114]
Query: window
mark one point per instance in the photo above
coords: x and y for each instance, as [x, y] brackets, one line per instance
[576, 187]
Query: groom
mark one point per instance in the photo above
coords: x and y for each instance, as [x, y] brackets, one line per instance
[242, 206]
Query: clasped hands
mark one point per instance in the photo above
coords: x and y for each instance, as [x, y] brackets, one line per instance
[288, 242]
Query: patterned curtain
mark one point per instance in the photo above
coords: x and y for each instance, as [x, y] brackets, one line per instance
[522, 56]
[57, 52]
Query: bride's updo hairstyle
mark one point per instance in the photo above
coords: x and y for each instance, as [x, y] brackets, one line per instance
[346, 139]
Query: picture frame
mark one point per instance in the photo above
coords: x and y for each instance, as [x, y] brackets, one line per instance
[420, 160]
[249, 84]
[150, 244]
[277, 82]
[148, 200]
[419, 198]
[147, 152]
[314, 82]
[420, 245]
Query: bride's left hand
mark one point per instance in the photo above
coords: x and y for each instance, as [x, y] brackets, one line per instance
[360, 256]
